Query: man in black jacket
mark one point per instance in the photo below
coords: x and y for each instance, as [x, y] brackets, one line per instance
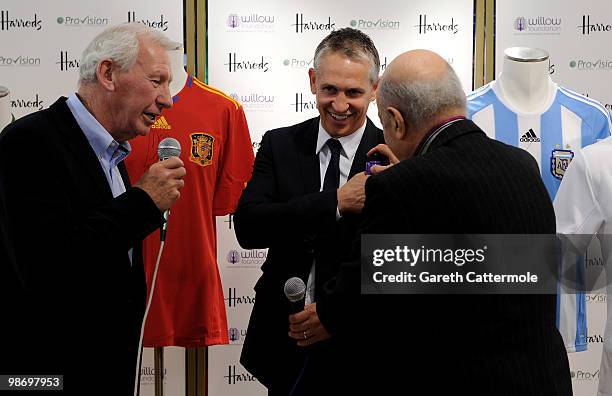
[72, 286]
[300, 205]
[446, 177]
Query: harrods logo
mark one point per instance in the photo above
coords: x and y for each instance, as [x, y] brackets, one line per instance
[588, 28]
[234, 376]
[66, 63]
[29, 104]
[160, 23]
[307, 25]
[8, 23]
[300, 105]
[233, 300]
[237, 64]
[428, 26]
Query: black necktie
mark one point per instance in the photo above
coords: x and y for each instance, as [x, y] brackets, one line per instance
[332, 174]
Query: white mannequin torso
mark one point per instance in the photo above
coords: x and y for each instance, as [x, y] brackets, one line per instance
[179, 75]
[525, 82]
[5, 107]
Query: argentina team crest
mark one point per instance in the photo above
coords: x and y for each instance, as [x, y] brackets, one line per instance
[202, 145]
[559, 161]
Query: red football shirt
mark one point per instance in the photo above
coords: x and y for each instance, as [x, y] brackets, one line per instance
[188, 309]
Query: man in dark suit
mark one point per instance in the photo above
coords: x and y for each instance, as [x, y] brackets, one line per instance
[446, 177]
[72, 287]
[300, 205]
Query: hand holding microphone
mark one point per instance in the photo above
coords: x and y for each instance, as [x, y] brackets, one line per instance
[164, 179]
[304, 324]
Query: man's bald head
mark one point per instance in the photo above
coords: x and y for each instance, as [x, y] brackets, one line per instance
[423, 87]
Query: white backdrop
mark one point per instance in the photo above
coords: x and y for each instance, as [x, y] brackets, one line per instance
[40, 47]
[260, 53]
[574, 34]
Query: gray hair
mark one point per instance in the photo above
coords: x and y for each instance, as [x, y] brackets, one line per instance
[352, 43]
[120, 43]
[420, 101]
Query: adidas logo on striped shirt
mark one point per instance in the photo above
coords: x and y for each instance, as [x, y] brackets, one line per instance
[530, 137]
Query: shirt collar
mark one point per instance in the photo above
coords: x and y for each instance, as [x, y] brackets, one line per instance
[350, 143]
[99, 139]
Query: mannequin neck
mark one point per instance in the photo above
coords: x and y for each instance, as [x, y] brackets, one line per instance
[179, 75]
[5, 111]
[527, 86]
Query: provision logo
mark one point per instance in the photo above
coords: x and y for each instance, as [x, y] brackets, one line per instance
[375, 24]
[66, 63]
[250, 22]
[28, 104]
[235, 376]
[255, 101]
[599, 298]
[19, 61]
[300, 105]
[585, 375]
[589, 27]
[591, 64]
[541, 25]
[298, 63]
[233, 299]
[428, 26]
[7, 22]
[161, 23]
[303, 25]
[238, 64]
[82, 21]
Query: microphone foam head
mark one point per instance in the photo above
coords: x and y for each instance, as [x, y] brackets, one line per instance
[169, 147]
[295, 289]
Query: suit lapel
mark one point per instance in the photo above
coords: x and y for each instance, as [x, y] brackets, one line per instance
[308, 159]
[77, 143]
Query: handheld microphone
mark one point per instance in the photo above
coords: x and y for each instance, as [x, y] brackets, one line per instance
[295, 290]
[169, 147]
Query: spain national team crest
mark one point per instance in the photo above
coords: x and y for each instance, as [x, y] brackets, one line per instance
[559, 161]
[202, 145]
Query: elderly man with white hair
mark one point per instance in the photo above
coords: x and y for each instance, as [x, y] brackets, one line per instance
[72, 287]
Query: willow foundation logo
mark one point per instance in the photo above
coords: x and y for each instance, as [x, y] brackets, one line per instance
[589, 27]
[246, 258]
[82, 21]
[540, 25]
[161, 23]
[236, 335]
[254, 101]
[253, 22]
[308, 25]
[430, 25]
